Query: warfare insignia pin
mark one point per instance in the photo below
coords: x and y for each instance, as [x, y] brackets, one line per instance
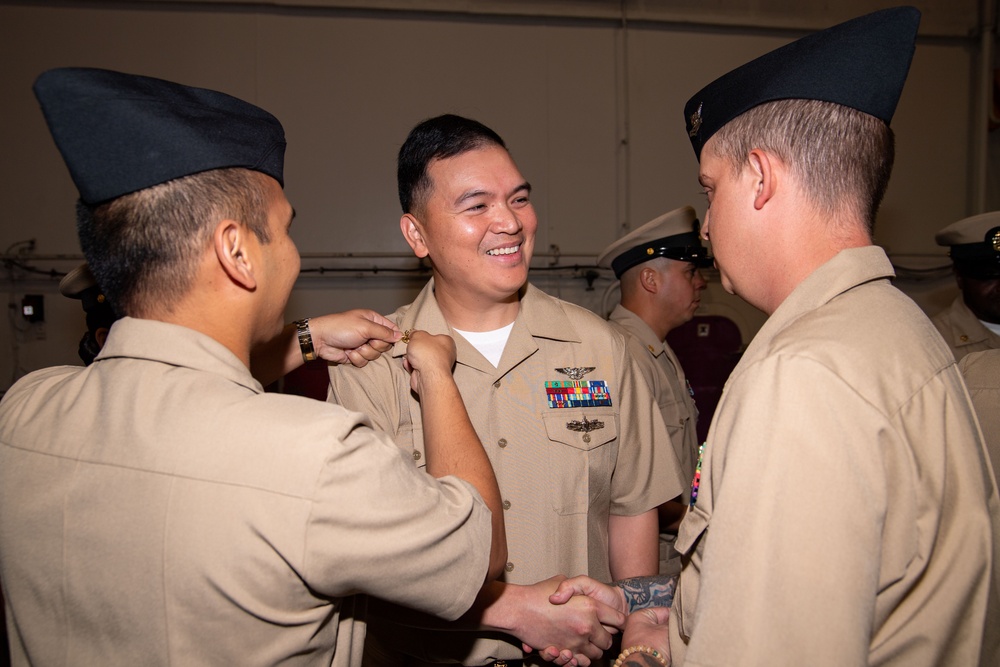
[575, 373]
[695, 121]
[585, 426]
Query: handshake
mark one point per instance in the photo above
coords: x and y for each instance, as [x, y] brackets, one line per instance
[583, 615]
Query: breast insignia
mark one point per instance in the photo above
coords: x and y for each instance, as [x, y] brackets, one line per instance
[575, 373]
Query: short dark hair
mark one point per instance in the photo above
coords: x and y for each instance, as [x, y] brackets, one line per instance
[842, 157]
[435, 139]
[143, 248]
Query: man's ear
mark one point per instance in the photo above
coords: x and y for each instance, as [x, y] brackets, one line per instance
[411, 229]
[649, 278]
[764, 175]
[231, 249]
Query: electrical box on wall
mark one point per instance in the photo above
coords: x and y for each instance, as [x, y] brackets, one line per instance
[33, 307]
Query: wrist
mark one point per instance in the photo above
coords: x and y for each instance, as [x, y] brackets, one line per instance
[640, 648]
[439, 377]
[500, 607]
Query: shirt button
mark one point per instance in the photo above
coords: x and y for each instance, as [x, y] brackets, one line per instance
[416, 455]
[502, 442]
[964, 339]
[509, 567]
[506, 504]
[586, 437]
[496, 385]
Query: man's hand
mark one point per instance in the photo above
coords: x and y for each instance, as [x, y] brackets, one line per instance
[612, 596]
[352, 337]
[429, 357]
[581, 627]
[647, 627]
[568, 589]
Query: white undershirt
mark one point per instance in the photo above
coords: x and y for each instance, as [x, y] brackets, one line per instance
[489, 343]
[995, 328]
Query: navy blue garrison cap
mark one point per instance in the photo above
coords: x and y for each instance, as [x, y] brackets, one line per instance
[120, 133]
[861, 64]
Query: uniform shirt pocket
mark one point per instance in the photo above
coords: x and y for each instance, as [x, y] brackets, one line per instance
[692, 527]
[691, 530]
[581, 454]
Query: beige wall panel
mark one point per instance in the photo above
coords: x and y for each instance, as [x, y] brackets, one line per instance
[348, 89]
[349, 83]
[200, 48]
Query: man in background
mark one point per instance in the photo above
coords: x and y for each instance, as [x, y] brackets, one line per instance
[972, 322]
[80, 284]
[658, 267]
[971, 327]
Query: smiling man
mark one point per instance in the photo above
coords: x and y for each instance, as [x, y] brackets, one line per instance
[550, 388]
[661, 285]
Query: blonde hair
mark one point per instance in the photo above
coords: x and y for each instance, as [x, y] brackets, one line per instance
[841, 156]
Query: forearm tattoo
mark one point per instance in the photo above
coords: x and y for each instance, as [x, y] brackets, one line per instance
[642, 592]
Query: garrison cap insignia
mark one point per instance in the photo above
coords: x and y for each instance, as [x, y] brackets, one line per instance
[575, 373]
[585, 426]
[695, 122]
[996, 240]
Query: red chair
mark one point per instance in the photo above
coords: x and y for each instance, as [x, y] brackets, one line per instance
[708, 347]
[310, 379]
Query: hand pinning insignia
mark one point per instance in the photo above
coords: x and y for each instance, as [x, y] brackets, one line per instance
[575, 373]
[585, 426]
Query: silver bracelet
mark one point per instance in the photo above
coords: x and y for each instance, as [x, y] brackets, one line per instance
[305, 339]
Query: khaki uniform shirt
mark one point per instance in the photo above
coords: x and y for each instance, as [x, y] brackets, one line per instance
[561, 470]
[981, 371]
[663, 373]
[963, 331]
[159, 508]
[843, 514]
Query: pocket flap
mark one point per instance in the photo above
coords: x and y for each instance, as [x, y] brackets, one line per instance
[694, 524]
[584, 431]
